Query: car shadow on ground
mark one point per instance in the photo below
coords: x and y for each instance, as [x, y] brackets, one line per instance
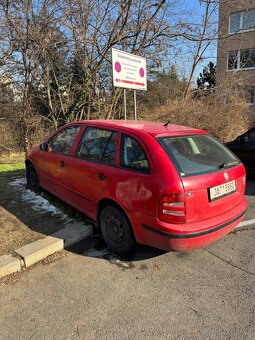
[30, 223]
[28, 216]
[95, 247]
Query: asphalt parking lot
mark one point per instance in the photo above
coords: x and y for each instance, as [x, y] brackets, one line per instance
[89, 293]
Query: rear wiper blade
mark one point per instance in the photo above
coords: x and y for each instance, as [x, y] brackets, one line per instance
[224, 165]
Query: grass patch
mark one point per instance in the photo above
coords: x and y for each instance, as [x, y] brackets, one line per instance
[20, 224]
[12, 167]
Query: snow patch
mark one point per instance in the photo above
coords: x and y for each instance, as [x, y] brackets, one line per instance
[107, 255]
[18, 182]
[38, 203]
[97, 253]
[121, 263]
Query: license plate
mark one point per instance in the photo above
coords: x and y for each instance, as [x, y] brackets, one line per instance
[222, 190]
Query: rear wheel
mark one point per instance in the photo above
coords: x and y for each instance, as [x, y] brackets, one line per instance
[32, 178]
[116, 230]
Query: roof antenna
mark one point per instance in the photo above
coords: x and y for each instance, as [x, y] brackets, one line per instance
[167, 123]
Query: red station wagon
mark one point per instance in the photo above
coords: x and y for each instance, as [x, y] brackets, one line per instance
[167, 186]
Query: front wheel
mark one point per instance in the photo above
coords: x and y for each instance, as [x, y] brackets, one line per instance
[116, 230]
[32, 178]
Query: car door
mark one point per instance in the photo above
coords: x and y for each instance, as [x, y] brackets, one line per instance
[245, 149]
[135, 188]
[93, 171]
[54, 161]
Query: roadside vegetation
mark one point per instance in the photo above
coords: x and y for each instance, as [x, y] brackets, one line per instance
[55, 67]
[12, 167]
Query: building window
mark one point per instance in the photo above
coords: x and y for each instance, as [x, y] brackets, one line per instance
[247, 58]
[235, 23]
[242, 59]
[242, 21]
[232, 60]
[248, 20]
[250, 95]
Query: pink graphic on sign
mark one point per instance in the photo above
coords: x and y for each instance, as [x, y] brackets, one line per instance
[141, 71]
[129, 82]
[117, 67]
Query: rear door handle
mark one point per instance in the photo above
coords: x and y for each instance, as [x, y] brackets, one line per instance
[101, 176]
[63, 164]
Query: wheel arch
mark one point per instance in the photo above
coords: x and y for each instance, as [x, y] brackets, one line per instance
[29, 162]
[110, 202]
[104, 202]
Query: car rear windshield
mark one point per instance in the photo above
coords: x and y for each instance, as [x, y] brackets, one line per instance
[197, 154]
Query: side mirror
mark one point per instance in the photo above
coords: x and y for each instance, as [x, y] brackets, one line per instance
[44, 147]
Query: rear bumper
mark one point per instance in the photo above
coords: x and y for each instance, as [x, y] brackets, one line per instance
[168, 237]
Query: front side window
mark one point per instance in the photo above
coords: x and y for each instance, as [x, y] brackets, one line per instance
[132, 155]
[63, 140]
[98, 145]
[198, 154]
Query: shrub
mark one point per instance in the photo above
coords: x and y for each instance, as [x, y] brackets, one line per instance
[224, 114]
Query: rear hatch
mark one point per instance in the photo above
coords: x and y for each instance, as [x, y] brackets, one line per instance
[213, 178]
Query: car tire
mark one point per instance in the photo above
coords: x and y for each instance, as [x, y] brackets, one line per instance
[116, 230]
[32, 178]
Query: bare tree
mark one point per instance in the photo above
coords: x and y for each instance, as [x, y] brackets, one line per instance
[21, 35]
[59, 52]
[205, 33]
[95, 27]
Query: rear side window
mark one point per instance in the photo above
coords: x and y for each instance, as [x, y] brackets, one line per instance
[132, 155]
[198, 154]
[63, 140]
[98, 145]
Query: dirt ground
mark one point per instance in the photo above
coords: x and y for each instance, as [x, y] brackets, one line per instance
[26, 217]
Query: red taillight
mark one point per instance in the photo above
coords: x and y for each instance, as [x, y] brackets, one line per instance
[172, 208]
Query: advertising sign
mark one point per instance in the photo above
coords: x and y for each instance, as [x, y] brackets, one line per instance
[129, 70]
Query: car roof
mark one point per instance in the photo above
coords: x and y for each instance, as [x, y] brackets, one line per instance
[153, 128]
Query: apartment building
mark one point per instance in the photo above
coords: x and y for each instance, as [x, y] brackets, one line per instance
[236, 45]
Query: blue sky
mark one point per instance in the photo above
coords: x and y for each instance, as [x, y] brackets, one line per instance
[193, 12]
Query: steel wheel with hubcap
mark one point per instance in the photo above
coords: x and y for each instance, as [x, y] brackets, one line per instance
[116, 230]
[32, 178]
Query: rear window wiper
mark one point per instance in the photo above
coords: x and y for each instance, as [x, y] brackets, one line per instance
[227, 164]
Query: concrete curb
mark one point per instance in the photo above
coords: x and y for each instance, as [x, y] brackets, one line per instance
[9, 265]
[74, 234]
[40, 249]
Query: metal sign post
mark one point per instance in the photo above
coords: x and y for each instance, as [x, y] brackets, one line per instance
[125, 105]
[135, 104]
[129, 72]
